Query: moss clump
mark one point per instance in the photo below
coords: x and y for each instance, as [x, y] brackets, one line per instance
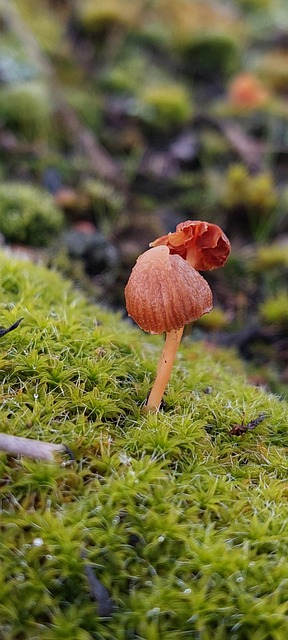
[254, 199]
[215, 320]
[25, 108]
[273, 256]
[128, 71]
[28, 214]
[181, 522]
[214, 54]
[165, 105]
[106, 203]
[205, 34]
[254, 192]
[275, 309]
[97, 17]
[45, 23]
[254, 5]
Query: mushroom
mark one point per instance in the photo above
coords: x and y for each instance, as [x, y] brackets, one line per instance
[163, 294]
[246, 91]
[165, 291]
[203, 244]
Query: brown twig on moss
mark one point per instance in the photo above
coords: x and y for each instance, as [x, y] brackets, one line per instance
[17, 446]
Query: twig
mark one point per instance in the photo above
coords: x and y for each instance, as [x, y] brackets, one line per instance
[98, 592]
[250, 151]
[13, 326]
[18, 446]
[101, 162]
[240, 429]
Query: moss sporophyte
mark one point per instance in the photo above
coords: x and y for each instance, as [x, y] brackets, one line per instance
[165, 291]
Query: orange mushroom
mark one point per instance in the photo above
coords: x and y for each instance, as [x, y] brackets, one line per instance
[246, 91]
[203, 244]
[165, 292]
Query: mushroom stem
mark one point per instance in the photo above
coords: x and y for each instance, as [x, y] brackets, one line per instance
[164, 369]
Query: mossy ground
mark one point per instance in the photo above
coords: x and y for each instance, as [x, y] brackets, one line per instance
[153, 86]
[183, 523]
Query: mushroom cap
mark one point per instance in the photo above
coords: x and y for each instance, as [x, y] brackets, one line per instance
[203, 244]
[247, 91]
[164, 293]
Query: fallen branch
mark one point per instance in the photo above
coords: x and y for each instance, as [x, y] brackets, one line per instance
[18, 446]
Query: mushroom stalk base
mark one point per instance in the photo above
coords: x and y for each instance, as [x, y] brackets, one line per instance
[165, 365]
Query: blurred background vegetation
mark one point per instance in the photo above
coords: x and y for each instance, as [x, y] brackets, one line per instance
[121, 118]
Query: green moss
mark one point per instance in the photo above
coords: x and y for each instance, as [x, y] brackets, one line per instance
[25, 108]
[165, 105]
[182, 522]
[256, 197]
[275, 308]
[214, 146]
[45, 23]
[215, 320]
[96, 16]
[162, 103]
[87, 105]
[255, 192]
[214, 54]
[205, 35]
[273, 256]
[254, 5]
[128, 71]
[28, 214]
[105, 201]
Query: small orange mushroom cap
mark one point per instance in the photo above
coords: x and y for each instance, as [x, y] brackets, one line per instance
[164, 292]
[203, 244]
[247, 91]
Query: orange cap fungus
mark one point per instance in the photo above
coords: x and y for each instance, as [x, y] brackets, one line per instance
[203, 244]
[247, 91]
[164, 292]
